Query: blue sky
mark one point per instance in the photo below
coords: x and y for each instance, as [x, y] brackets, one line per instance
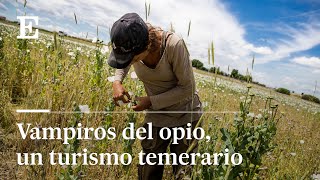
[284, 35]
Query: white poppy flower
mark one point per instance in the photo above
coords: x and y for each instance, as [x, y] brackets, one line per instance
[48, 45]
[205, 104]
[259, 116]
[111, 78]
[315, 176]
[129, 105]
[130, 93]
[120, 102]
[84, 109]
[293, 154]
[251, 114]
[94, 40]
[104, 49]
[133, 75]
[71, 54]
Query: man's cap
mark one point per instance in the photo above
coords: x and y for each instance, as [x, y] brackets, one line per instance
[129, 37]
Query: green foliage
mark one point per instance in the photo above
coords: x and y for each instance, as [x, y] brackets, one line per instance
[234, 73]
[283, 91]
[127, 143]
[260, 84]
[204, 69]
[309, 97]
[247, 78]
[214, 69]
[212, 53]
[58, 79]
[251, 136]
[197, 64]
[72, 172]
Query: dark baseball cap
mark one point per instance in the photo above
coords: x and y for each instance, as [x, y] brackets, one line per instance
[129, 37]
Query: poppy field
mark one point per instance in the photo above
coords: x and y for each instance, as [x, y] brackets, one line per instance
[278, 135]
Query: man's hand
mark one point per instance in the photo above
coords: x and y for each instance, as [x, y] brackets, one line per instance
[119, 93]
[143, 103]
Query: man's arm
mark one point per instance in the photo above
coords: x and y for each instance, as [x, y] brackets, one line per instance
[119, 92]
[120, 74]
[182, 68]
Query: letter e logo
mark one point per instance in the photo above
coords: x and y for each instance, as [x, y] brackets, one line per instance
[23, 27]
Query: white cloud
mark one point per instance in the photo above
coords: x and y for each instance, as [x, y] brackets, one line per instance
[259, 50]
[262, 77]
[94, 12]
[313, 62]
[3, 7]
[301, 38]
[292, 76]
[210, 21]
[316, 71]
[289, 81]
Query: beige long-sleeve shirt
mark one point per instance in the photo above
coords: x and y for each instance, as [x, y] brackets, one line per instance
[170, 86]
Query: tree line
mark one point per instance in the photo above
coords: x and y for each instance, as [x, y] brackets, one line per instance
[234, 73]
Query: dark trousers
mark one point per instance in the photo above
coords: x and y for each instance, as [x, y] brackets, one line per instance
[158, 145]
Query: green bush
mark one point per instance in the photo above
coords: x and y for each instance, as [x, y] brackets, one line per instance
[197, 64]
[247, 78]
[309, 97]
[212, 69]
[204, 69]
[235, 73]
[283, 91]
[251, 136]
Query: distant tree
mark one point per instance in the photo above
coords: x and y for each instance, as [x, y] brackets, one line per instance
[260, 84]
[218, 70]
[241, 77]
[309, 97]
[204, 69]
[223, 73]
[197, 64]
[212, 69]
[247, 78]
[235, 73]
[283, 91]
